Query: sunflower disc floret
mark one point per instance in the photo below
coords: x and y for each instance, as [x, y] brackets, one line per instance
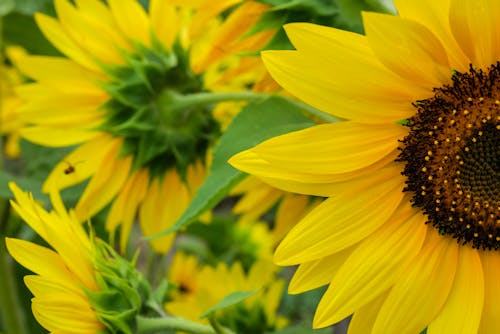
[452, 157]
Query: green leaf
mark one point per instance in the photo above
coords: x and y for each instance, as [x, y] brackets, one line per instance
[230, 300]
[258, 121]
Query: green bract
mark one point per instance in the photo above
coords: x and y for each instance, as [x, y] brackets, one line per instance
[158, 133]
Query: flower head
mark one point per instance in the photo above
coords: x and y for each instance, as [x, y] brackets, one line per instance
[409, 235]
[63, 273]
[120, 97]
[202, 287]
[80, 284]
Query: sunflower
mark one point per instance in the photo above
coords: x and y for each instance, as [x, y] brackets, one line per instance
[118, 97]
[10, 122]
[409, 236]
[201, 287]
[64, 274]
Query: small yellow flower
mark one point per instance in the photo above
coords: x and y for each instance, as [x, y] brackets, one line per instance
[409, 235]
[202, 287]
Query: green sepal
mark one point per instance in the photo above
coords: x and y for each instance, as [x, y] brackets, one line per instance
[123, 291]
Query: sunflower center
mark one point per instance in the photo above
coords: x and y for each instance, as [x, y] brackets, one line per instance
[157, 135]
[452, 158]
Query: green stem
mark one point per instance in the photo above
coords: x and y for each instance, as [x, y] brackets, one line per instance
[13, 317]
[217, 326]
[150, 325]
[176, 101]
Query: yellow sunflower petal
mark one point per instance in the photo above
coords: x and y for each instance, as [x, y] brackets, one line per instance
[418, 297]
[99, 16]
[434, 15]
[323, 150]
[54, 32]
[162, 206]
[408, 48]
[164, 19]
[72, 316]
[462, 312]
[368, 91]
[105, 184]
[364, 318]
[125, 206]
[55, 70]
[332, 148]
[291, 209]
[374, 266]
[41, 285]
[80, 164]
[53, 137]
[131, 19]
[343, 220]
[316, 273]
[93, 40]
[474, 24]
[491, 311]
[38, 259]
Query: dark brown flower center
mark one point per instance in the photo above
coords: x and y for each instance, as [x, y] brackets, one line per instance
[452, 158]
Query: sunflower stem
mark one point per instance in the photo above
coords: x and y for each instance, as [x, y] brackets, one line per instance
[12, 315]
[150, 325]
[172, 101]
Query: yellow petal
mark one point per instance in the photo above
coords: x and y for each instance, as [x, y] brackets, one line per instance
[131, 19]
[98, 15]
[126, 205]
[364, 318]
[41, 285]
[164, 21]
[291, 209]
[474, 24]
[408, 49]
[491, 311]
[90, 38]
[418, 297]
[435, 16]
[256, 202]
[313, 274]
[38, 259]
[374, 266]
[358, 209]
[309, 184]
[162, 206]
[54, 70]
[462, 312]
[322, 151]
[53, 137]
[55, 33]
[57, 313]
[80, 164]
[337, 72]
[105, 184]
[335, 148]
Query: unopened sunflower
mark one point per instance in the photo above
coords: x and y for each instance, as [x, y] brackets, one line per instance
[120, 97]
[409, 237]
